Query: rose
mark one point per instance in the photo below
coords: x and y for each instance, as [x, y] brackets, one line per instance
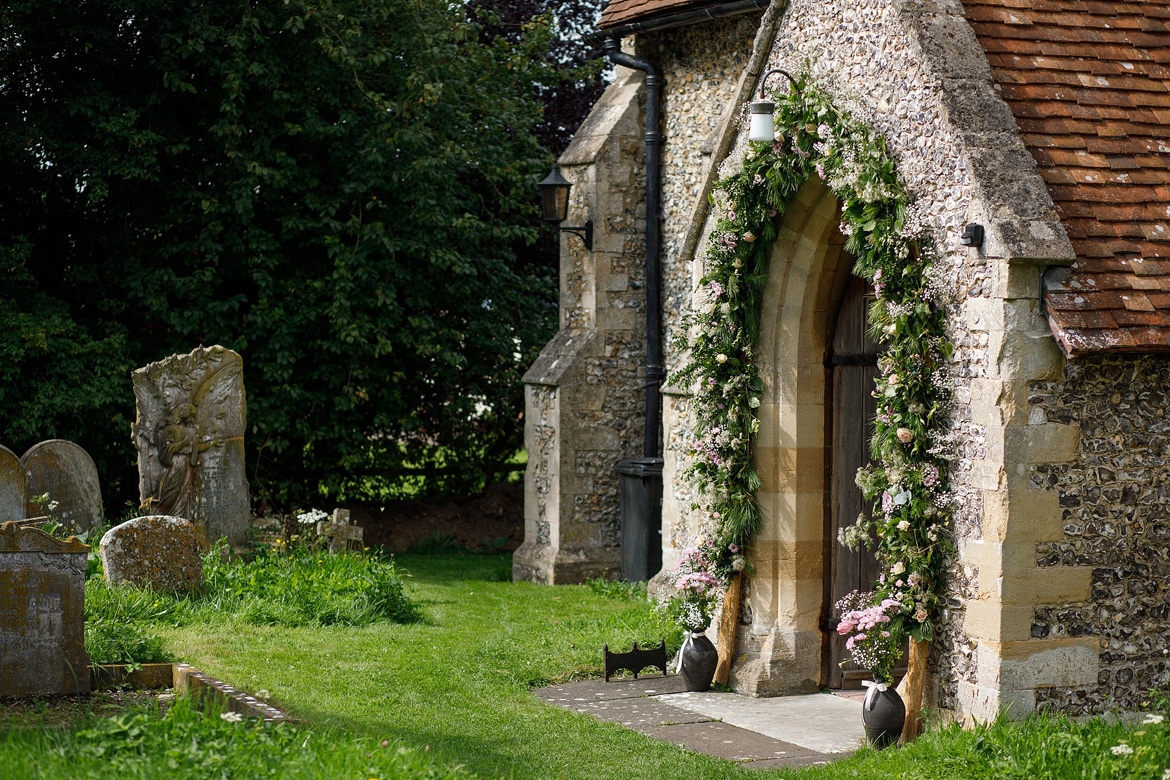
[749, 236]
[721, 358]
[905, 435]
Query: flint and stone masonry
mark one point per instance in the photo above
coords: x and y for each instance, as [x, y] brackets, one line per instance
[1059, 586]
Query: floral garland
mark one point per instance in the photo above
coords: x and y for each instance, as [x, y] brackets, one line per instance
[908, 478]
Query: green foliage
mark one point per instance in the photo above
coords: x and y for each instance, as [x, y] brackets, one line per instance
[114, 642]
[618, 590]
[191, 740]
[297, 587]
[908, 481]
[334, 188]
[304, 587]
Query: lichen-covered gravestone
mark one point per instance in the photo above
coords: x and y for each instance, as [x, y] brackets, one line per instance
[190, 438]
[42, 614]
[13, 487]
[65, 472]
[159, 552]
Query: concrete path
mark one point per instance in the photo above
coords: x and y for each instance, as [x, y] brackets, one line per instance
[760, 733]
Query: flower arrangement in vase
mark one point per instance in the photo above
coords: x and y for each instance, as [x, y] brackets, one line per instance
[699, 579]
[875, 643]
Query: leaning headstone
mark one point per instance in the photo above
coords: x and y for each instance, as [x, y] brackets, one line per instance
[13, 487]
[157, 551]
[65, 472]
[190, 438]
[42, 614]
[340, 532]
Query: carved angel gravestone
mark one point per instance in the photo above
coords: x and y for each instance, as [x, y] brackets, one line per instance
[190, 438]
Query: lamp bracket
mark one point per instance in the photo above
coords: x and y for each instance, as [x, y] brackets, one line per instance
[584, 232]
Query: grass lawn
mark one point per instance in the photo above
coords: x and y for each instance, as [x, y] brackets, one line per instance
[453, 690]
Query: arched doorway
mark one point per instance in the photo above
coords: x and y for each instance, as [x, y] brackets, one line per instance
[852, 368]
[783, 649]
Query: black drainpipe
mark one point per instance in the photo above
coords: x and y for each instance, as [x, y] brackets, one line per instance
[641, 478]
[654, 370]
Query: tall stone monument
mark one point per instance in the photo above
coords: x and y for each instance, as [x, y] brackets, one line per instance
[42, 614]
[189, 433]
[13, 486]
[65, 472]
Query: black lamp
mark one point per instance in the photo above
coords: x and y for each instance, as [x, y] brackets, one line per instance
[554, 205]
[762, 127]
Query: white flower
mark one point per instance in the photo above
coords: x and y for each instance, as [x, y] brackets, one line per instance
[905, 435]
[263, 694]
[904, 525]
[1121, 750]
[1153, 718]
[1166, 775]
[899, 567]
[231, 717]
[721, 358]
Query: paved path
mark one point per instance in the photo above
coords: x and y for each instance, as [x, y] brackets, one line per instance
[760, 733]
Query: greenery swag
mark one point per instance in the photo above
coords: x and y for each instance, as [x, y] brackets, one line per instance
[908, 479]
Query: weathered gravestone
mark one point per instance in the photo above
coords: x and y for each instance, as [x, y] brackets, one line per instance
[340, 532]
[65, 472]
[157, 551]
[190, 438]
[13, 487]
[42, 614]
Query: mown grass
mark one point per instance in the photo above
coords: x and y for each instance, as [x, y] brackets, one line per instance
[455, 685]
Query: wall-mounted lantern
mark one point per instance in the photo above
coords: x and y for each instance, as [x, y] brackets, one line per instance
[554, 205]
[762, 127]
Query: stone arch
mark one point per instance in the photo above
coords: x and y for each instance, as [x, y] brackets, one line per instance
[785, 605]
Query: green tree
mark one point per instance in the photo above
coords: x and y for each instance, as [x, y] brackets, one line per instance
[334, 188]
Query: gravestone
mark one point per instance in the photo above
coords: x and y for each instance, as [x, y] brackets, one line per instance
[13, 487]
[42, 614]
[340, 532]
[189, 433]
[68, 475]
[156, 551]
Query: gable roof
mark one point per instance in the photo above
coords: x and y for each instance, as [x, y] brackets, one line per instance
[1087, 82]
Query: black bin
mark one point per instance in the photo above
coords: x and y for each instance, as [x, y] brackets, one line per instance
[641, 490]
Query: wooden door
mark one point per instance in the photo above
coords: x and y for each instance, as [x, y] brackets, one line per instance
[853, 367]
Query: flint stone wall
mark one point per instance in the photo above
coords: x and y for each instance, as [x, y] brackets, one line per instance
[42, 614]
[189, 432]
[914, 71]
[157, 551]
[1115, 510]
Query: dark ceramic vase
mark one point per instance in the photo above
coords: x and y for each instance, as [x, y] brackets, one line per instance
[883, 714]
[699, 659]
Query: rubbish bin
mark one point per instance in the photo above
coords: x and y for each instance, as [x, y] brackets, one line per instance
[641, 490]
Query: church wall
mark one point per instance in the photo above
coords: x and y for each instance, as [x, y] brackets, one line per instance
[1115, 519]
[915, 72]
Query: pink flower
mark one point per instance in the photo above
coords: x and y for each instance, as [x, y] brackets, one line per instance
[749, 236]
[905, 435]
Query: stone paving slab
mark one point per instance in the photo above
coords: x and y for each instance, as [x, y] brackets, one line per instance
[733, 743]
[757, 733]
[819, 722]
[637, 713]
[594, 690]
